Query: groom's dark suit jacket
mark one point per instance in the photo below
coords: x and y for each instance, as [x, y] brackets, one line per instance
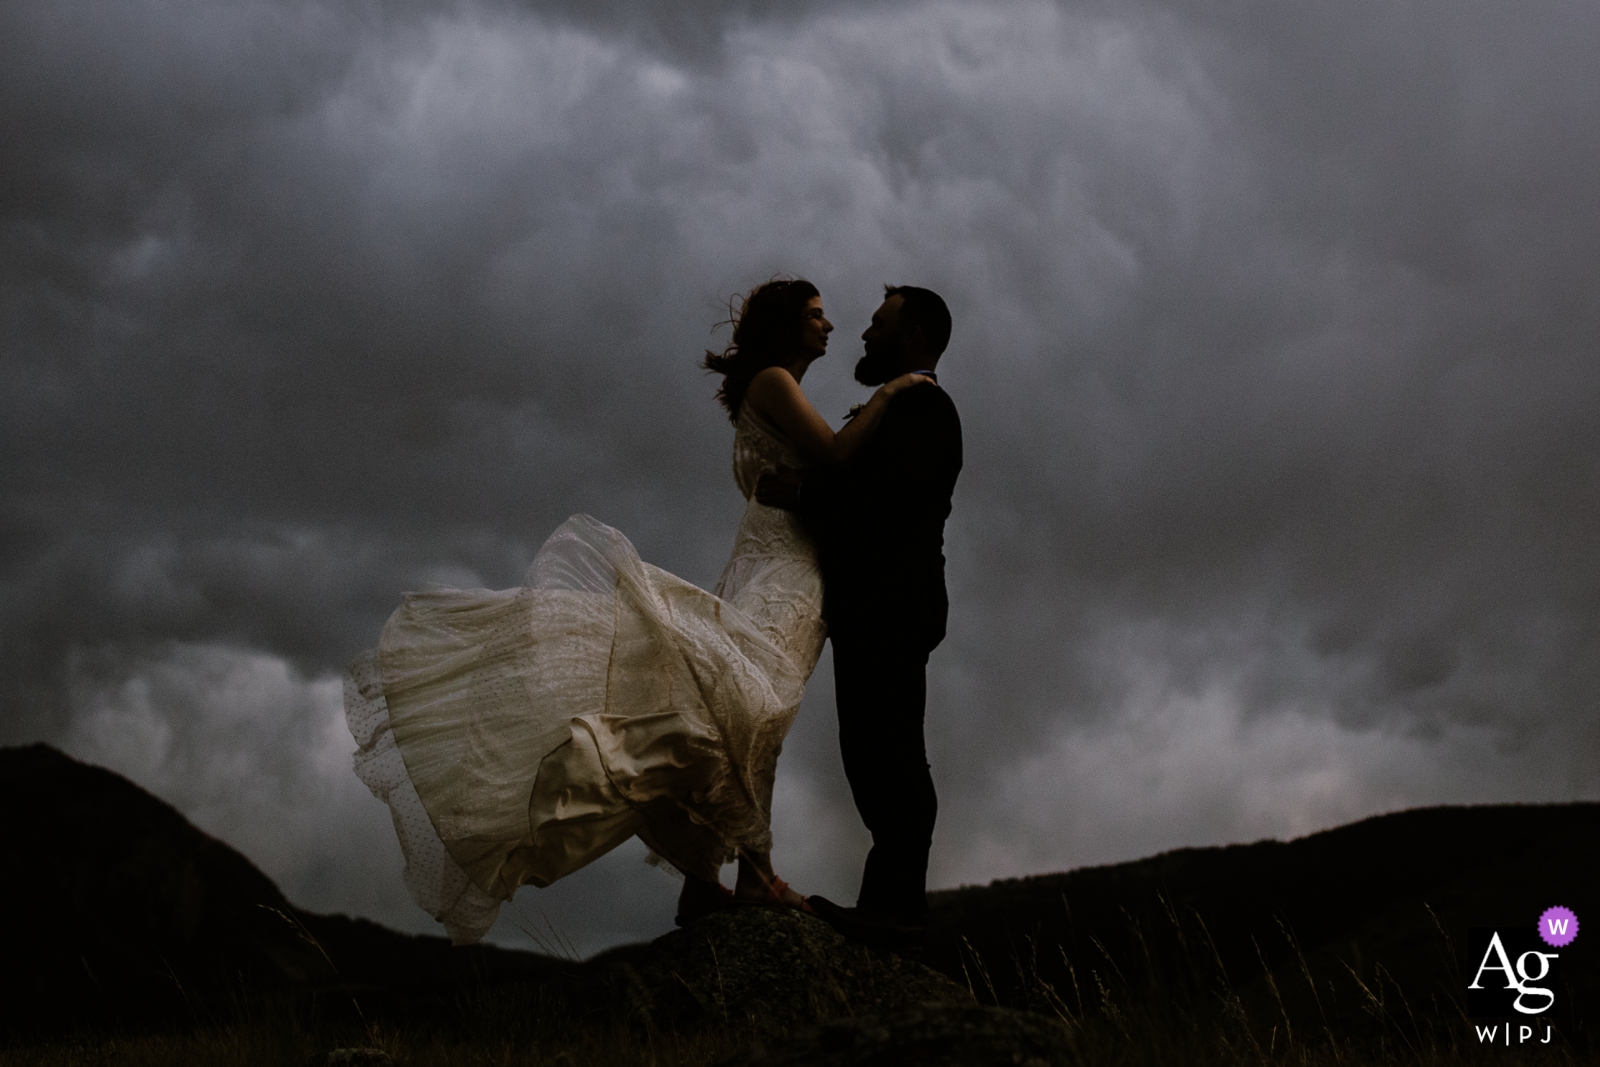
[879, 524]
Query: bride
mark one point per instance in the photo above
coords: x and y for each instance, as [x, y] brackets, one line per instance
[518, 735]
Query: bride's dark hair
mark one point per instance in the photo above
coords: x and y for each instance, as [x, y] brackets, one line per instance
[766, 327]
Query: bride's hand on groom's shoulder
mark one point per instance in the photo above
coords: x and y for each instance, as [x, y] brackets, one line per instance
[779, 488]
[904, 382]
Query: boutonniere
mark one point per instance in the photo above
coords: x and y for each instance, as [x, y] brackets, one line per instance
[853, 412]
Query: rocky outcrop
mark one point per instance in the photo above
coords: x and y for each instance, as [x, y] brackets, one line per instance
[926, 1036]
[767, 972]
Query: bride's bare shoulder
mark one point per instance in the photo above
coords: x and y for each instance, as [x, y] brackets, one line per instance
[775, 376]
[772, 387]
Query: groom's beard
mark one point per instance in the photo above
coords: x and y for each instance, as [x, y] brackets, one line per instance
[874, 368]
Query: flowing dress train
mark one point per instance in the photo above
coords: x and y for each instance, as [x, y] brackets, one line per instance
[517, 735]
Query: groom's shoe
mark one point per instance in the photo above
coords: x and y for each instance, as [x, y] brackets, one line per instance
[874, 931]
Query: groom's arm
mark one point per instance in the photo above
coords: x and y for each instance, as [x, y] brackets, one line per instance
[818, 496]
[811, 494]
[915, 457]
[780, 488]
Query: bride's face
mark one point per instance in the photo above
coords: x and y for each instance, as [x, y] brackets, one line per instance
[814, 330]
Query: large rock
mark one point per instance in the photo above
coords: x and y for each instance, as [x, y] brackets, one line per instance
[770, 972]
[926, 1036]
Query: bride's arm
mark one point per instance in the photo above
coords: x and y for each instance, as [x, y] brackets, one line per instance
[777, 395]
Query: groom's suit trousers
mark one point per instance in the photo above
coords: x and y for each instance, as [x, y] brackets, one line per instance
[881, 691]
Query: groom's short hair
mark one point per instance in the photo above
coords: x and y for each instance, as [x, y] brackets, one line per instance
[923, 308]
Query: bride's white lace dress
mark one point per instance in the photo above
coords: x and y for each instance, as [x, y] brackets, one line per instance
[517, 735]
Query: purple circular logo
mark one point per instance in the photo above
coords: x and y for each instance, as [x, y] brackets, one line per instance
[1558, 926]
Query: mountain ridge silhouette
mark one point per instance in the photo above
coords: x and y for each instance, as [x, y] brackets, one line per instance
[1324, 926]
[1307, 928]
[132, 913]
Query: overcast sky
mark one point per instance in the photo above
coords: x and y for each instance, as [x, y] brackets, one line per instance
[1275, 347]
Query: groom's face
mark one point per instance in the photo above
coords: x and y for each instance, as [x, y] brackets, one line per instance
[884, 345]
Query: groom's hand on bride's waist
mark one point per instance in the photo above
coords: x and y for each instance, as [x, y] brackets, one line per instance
[780, 488]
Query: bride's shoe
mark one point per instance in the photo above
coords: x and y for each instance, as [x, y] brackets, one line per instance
[777, 895]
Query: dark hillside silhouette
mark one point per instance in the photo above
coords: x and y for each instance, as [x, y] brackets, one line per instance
[1378, 911]
[122, 911]
[123, 914]
[135, 918]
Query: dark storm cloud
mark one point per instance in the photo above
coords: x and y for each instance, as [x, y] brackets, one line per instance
[1357, 322]
[1274, 347]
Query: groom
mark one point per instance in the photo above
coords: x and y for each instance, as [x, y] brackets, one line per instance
[879, 526]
